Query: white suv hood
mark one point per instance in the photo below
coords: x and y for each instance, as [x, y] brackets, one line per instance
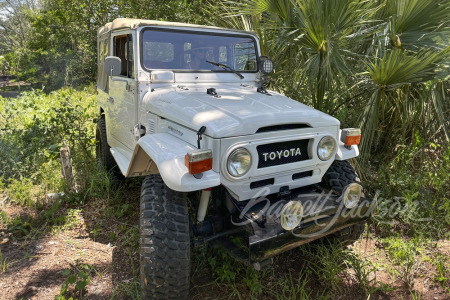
[238, 111]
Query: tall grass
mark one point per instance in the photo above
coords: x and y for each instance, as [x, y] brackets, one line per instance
[36, 125]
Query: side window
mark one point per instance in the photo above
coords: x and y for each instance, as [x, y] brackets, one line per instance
[244, 57]
[123, 48]
[103, 52]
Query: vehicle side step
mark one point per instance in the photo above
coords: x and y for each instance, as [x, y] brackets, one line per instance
[122, 159]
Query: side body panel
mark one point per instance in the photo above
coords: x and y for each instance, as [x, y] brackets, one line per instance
[122, 105]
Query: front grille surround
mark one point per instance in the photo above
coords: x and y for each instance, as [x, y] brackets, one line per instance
[280, 153]
[228, 145]
[294, 175]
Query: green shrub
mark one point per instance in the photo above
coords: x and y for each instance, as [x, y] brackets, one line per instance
[2, 184]
[20, 192]
[443, 270]
[416, 179]
[404, 255]
[35, 126]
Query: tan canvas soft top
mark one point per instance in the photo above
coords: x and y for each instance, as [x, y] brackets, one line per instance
[124, 23]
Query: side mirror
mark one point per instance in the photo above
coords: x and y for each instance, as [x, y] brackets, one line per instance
[112, 66]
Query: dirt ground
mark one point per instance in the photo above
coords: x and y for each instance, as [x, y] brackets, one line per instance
[33, 267]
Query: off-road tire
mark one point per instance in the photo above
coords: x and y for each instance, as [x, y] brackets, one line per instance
[338, 176]
[165, 241]
[102, 153]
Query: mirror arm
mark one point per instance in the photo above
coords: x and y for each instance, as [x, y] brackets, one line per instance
[118, 79]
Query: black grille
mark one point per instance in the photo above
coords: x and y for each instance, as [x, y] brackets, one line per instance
[302, 175]
[282, 153]
[261, 183]
[282, 127]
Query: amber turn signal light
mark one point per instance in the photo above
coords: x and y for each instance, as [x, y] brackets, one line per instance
[351, 136]
[198, 161]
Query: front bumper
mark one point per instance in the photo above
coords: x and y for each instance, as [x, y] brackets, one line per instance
[264, 237]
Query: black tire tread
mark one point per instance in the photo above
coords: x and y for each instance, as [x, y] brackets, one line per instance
[165, 242]
[103, 154]
[338, 176]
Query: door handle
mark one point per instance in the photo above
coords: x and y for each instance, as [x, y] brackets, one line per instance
[111, 100]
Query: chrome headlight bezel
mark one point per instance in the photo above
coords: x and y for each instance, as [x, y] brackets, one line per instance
[321, 149]
[234, 171]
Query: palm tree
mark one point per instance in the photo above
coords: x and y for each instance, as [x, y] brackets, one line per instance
[313, 39]
[387, 57]
[407, 69]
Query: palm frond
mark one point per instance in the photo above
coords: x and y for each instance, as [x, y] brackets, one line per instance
[396, 67]
[418, 23]
[441, 105]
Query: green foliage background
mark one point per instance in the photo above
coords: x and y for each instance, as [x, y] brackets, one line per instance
[381, 65]
[52, 43]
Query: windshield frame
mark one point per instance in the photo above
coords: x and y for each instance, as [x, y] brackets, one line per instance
[200, 32]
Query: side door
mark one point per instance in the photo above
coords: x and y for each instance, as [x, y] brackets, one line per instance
[122, 95]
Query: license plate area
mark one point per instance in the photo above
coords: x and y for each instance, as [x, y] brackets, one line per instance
[281, 153]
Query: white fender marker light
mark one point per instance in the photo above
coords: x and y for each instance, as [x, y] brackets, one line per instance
[198, 161]
[351, 136]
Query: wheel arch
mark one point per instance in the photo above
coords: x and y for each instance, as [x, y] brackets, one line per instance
[164, 154]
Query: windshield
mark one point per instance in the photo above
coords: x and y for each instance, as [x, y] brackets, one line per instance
[183, 50]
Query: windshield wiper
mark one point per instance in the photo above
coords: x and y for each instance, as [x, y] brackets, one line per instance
[225, 67]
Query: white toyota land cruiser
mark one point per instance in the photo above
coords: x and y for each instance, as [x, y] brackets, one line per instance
[185, 106]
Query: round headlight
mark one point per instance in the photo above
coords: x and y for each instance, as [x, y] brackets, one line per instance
[351, 195]
[239, 162]
[266, 65]
[326, 148]
[291, 215]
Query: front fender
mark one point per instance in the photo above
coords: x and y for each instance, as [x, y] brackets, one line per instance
[164, 154]
[344, 153]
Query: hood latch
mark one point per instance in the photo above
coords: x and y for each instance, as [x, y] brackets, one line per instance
[200, 132]
[212, 92]
[262, 90]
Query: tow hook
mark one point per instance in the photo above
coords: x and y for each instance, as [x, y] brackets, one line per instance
[284, 193]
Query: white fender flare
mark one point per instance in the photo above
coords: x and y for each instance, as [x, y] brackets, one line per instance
[164, 154]
[344, 153]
